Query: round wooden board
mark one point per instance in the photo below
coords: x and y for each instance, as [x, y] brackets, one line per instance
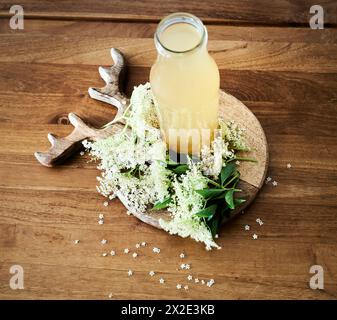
[252, 174]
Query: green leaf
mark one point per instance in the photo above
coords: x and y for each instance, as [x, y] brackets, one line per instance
[213, 225]
[210, 193]
[230, 199]
[180, 169]
[207, 212]
[225, 211]
[237, 202]
[226, 172]
[162, 204]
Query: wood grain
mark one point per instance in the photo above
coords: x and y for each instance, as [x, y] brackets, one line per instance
[216, 11]
[78, 28]
[285, 75]
[233, 55]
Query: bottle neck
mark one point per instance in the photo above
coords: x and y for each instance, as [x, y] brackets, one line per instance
[180, 34]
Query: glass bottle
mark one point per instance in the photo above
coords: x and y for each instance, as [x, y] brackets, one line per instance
[185, 83]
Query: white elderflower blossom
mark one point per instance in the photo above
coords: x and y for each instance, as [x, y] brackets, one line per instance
[234, 135]
[212, 159]
[185, 203]
[132, 160]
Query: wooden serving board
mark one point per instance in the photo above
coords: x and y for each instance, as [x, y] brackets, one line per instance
[252, 174]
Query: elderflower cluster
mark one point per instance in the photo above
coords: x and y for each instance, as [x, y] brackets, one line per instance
[133, 167]
[185, 203]
[132, 161]
[233, 134]
[212, 158]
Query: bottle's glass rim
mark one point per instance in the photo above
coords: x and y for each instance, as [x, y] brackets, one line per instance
[180, 17]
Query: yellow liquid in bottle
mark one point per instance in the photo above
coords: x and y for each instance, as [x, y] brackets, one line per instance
[185, 86]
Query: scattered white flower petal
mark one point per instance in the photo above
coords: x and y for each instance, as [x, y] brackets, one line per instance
[202, 281]
[101, 216]
[255, 236]
[152, 273]
[104, 254]
[76, 241]
[216, 236]
[178, 286]
[183, 266]
[101, 221]
[104, 241]
[143, 244]
[112, 252]
[189, 277]
[130, 273]
[275, 183]
[156, 250]
[196, 280]
[110, 295]
[161, 280]
[237, 162]
[186, 287]
[82, 153]
[259, 221]
[182, 256]
[187, 266]
[268, 179]
[247, 227]
[210, 282]
[288, 165]
[137, 245]
[134, 255]
[105, 203]
[126, 250]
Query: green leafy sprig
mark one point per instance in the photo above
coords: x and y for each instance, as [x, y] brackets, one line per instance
[220, 197]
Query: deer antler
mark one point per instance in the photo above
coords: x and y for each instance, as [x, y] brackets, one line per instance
[112, 76]
[62, 148]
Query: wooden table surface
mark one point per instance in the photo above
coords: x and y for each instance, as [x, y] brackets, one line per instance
[269, 58]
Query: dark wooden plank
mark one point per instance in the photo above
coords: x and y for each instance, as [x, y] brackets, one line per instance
[246, 11]
[95, 29]
[48, 92]
[233, 55]
[61, 82]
